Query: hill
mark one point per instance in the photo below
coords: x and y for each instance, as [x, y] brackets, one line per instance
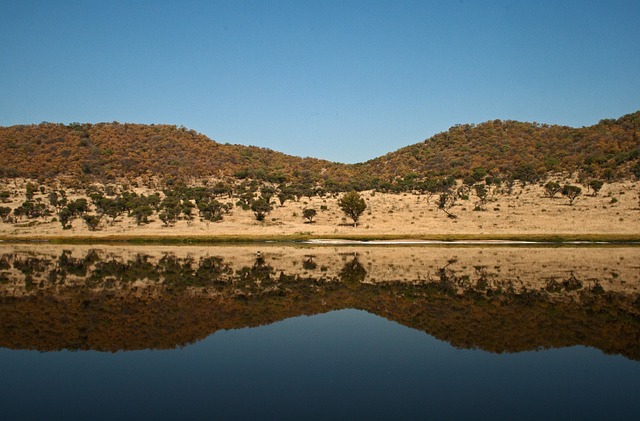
[525, 151]
[108, 151]
[508, 149]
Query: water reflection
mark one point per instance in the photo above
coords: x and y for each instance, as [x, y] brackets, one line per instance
[498, 299]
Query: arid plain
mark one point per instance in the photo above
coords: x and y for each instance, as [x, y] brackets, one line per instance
[526, 213]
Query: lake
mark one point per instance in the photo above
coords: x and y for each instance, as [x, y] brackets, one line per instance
[275, 331]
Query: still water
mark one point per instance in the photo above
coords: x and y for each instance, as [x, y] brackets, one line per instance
[286, 332]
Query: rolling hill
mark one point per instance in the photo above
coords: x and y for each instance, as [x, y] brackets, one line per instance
[508, 149]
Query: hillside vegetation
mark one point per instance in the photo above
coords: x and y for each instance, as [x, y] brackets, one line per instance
[106, 152]
[525, 151]
[109, 151]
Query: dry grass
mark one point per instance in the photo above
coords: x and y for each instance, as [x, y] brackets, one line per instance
[526, 214]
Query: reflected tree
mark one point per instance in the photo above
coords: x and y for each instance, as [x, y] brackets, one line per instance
[353, 271]
[309, 264]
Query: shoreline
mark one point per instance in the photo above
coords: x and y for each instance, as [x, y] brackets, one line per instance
[303, 239]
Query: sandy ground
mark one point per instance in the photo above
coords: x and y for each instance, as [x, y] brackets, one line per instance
[614, 211]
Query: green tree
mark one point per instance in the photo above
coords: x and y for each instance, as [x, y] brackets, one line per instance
[552, 188]
[142, 214]
[78, 207]
[4, 212]
[446, 201]
[526, 173]
[92, 221]
[112, 207]
[222, 189]
[482, 192]
[571, 192]
[30, 191]
[352, 205]
[53, 198]
[153, 200]
[267, 193]
[187, 210]
[168, 217]
[285, 193]
[260, 208]
[596, 185]
[172, 207]
[309, 214]
[212, 210]
[32, 210]
[65, 216]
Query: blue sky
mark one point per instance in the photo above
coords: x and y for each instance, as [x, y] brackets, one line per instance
[341, 80]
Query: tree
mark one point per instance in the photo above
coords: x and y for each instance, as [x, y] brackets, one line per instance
[30, 191]
[526, 173]
[31, 210]
[4, 212]
[172, 207]
[92, 221]
[212, 211]
[142, 214]
[482, 192]
[260, 208]
[352, 205]
[187, 210]
[168, 217]
[308, 189]
[285, 193]
[153, 200]
[428, 187]
[64, 216]
[309, 214]
[596, 185]
[78, 207]
[267, 192]
[112, 207]
[283, 196]
[222, 189]
[446, 201]
[552, 188]
[571, 192]
[60, 199]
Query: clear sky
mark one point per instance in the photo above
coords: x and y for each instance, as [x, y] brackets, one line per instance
[341, 80]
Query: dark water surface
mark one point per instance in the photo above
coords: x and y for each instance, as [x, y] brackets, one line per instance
[265, 344]
[342, 364]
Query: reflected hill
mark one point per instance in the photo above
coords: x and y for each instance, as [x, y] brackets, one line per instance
[499, 299]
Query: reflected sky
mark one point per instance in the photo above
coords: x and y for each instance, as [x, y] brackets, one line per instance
[339, 365]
